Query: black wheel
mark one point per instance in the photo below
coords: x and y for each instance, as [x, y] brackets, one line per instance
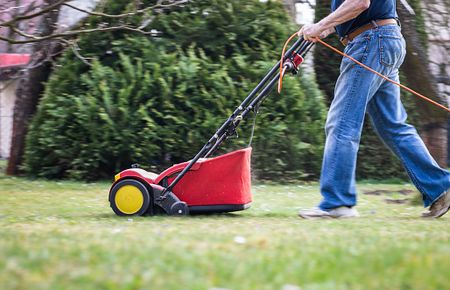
[179, 208]
[129, 197]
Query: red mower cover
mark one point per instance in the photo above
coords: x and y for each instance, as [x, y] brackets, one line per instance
[222, 180]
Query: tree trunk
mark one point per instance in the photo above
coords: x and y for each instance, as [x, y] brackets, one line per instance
[289, 5]
[27, 96]
[30, 89]
[419, 78]
[435, 137]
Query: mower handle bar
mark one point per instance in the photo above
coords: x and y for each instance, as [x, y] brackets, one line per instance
[255, 102]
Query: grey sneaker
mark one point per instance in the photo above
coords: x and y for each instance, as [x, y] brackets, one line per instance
[339, 212]
[439, 207]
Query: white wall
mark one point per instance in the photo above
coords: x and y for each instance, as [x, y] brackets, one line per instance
[7, 99]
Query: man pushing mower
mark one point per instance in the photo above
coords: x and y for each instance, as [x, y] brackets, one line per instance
[370, 30]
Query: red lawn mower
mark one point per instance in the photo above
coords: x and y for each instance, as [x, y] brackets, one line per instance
[203, 185]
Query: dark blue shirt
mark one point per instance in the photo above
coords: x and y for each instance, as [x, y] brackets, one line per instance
[379, 9]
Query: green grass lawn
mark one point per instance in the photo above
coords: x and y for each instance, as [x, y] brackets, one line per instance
[63, 235]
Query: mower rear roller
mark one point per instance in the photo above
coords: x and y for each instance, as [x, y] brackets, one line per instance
[168, 201]
[179, 208]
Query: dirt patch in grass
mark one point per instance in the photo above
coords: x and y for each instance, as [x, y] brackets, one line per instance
[397, 201]
[389, 192]
[392, 195]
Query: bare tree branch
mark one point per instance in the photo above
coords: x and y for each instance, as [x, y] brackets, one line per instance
[33, 38]
[13, 8]
[31, 7]
[46, 55]
[137, 12]
[33, 15]
[408, 7]
[63, 2]
[76, 51]
[311, 3]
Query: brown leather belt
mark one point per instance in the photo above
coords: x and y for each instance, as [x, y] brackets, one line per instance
[373, 24]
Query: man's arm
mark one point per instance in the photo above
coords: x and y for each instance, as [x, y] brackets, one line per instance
[348, 10]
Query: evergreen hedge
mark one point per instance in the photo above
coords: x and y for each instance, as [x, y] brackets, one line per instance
[155, 101]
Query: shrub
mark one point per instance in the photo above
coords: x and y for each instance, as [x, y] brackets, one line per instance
[157, 101]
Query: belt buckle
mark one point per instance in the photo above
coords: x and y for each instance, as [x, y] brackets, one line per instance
[344, 40]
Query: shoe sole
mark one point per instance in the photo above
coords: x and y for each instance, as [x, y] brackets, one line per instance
[317, 218]
[306, 217]
[345, 216]
[443, 212]
[327, 217]
[429, 215]
[426, 215]
[352, 214]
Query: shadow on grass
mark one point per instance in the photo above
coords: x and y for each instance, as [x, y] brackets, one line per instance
[108, 216]
[196, 216]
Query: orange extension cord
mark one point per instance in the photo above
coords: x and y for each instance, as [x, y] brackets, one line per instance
[280, 81]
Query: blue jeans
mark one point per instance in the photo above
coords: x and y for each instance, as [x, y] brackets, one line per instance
[359, 91]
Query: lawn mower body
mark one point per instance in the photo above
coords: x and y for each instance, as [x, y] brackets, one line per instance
[203, 184]
[212, 185]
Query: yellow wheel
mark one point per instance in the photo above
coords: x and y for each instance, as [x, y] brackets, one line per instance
[129, 197]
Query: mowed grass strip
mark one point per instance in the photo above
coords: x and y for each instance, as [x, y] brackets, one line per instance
[63, 235]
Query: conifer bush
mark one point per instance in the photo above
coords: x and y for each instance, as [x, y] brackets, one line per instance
[156, 101]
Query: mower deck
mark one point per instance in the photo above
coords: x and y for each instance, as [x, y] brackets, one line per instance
[213, 185]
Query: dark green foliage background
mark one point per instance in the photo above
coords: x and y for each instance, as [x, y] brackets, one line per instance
[155, 101]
